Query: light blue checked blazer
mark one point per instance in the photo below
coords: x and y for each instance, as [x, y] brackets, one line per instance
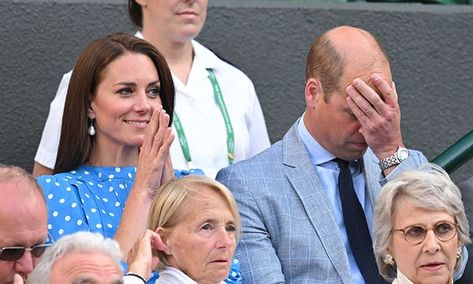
[289, 229]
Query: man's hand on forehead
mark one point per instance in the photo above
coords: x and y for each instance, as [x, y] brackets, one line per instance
[378, 113]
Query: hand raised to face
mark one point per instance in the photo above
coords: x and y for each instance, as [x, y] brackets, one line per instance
[377, 109]
[154, 167]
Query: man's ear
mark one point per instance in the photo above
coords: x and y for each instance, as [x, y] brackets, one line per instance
[313, 92]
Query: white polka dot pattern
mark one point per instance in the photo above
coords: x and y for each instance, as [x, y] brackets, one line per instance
[87, 199]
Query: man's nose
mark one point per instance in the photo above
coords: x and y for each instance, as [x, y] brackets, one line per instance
[25, 264]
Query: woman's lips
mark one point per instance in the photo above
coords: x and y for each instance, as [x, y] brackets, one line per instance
[433, 266]
[137, 123]
[188, 14]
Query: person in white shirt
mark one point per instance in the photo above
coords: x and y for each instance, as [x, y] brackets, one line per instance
[219, 119]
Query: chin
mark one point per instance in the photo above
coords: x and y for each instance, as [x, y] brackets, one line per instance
[135, 142]
[442, 277]
[434, 280]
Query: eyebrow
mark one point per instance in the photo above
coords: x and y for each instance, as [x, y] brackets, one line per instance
[84, 280]
[134, 84]
[45, 241]
[215, 221]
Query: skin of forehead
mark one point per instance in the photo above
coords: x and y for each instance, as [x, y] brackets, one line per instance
[359, 50]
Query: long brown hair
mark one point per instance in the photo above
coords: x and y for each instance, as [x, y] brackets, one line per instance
[75, 146]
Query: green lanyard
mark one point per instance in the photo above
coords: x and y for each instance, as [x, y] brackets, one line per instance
[228, 124]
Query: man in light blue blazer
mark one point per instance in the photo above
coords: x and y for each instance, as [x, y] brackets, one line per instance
[293, 225]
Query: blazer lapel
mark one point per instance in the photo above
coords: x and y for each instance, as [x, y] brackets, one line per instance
[303, 177]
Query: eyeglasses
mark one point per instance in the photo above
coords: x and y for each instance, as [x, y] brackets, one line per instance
[15, 253]
[444, 231]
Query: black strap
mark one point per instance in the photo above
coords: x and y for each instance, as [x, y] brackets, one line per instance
[136, 275]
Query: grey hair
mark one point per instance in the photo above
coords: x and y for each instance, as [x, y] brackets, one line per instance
[430, 188]
[77, 242]
[10, 173]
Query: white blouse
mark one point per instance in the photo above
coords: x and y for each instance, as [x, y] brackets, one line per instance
[171, 275]
[402, 279]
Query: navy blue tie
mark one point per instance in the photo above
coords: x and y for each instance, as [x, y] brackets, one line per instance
[356, 226]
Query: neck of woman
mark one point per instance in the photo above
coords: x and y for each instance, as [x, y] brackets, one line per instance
[113, 156]
[179, 54]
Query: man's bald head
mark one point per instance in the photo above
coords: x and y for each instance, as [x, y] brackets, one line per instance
[23, 220]
[337, 48]
[12, 174]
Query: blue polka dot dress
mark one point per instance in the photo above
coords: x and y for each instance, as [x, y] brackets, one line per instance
[87, 199]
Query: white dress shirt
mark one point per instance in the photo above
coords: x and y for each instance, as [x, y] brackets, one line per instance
[402, 279]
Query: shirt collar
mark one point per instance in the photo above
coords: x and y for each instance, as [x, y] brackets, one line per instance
[402, 279]
[206, 58]
[317, 154]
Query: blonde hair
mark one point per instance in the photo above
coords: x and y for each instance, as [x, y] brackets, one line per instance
[167, 206]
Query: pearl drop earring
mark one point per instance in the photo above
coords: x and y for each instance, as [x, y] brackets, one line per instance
[91, 130]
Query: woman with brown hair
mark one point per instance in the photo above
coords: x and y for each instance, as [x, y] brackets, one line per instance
[115, 138]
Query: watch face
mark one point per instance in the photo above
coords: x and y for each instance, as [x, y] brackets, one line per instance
[403, 154]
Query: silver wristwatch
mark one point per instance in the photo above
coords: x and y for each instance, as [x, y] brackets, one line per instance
[395, 159]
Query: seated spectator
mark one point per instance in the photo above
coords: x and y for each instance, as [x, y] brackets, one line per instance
[420, 228]
[23, 219]
[199, 224]
[117, 115]
[83, 257]
[120, 98]
[307, 202]
[86, 257]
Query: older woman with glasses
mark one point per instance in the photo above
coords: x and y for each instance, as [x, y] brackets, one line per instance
[420, 228]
